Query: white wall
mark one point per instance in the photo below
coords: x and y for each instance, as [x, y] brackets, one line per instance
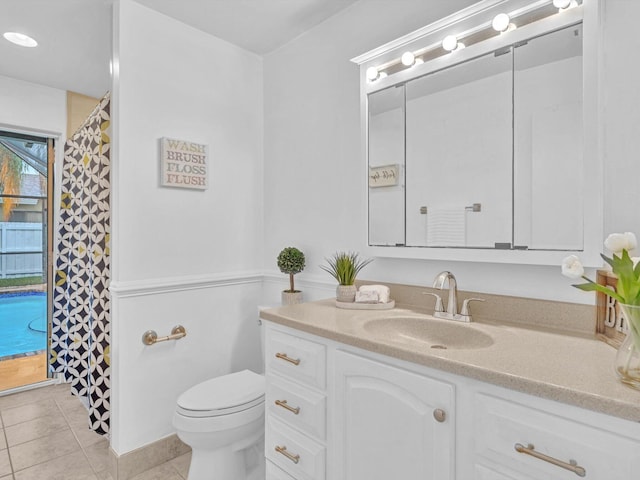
[181, 256]
[314, 196]
[38, 110]
[32, 108]
[622, 120]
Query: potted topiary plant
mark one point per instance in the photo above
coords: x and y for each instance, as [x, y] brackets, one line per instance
[291, 261]
[344, 267]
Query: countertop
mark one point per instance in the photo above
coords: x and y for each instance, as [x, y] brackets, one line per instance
[572, 369]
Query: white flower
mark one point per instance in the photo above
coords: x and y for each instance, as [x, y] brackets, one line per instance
[572, 267]
[616, 242]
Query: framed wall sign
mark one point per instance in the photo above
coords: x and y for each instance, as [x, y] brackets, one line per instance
[384, 176]
[183, 164]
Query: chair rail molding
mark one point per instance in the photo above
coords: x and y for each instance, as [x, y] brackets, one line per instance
[156, 286]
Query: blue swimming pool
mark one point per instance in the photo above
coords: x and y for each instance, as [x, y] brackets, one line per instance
[23, 323]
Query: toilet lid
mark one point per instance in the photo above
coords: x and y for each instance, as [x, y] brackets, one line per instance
[223, 395]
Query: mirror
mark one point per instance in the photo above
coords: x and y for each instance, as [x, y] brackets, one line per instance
[386, 167]
[488, 151]
[548, 142]
[459, 153]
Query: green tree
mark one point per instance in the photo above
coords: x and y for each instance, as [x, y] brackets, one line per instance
[11, 168]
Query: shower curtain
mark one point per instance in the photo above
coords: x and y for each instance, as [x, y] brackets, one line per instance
[80, 325]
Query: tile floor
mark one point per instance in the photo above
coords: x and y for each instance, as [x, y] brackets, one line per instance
[44, 436]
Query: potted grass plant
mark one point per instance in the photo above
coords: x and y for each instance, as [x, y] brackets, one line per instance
[291, 261]
[344, 267]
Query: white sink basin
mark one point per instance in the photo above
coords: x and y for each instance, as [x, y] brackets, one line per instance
[430, 333]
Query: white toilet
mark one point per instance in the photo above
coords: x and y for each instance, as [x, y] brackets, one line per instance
[222, 420]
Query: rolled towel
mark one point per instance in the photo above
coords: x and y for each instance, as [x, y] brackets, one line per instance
[382, 291]
[367, 297]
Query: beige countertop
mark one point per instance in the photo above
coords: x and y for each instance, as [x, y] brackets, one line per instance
[572, 369]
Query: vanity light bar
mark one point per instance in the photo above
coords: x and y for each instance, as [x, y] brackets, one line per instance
[502, 23]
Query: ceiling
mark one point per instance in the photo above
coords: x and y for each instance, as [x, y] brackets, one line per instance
[74, 36]
[259, 26]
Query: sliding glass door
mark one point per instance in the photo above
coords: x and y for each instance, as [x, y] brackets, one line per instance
[26, 186]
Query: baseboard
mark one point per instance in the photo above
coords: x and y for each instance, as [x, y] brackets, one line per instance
[130, 464]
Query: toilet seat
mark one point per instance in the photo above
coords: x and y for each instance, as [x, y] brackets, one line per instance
[223, 395]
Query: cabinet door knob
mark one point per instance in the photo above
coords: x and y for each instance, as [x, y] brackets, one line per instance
[440, 415]
[283, 450]
[285, 405]
[286, 358]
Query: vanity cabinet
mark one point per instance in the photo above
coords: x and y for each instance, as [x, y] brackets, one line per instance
[390, 423]
[295, 399]
[387, 422]
[527, 440]
[337, 412]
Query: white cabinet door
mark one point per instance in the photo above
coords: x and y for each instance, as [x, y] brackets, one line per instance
[385, 427]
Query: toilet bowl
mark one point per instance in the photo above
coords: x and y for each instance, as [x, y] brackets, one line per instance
[222, 420]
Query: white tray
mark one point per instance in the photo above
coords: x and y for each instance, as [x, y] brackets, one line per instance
[366, 306]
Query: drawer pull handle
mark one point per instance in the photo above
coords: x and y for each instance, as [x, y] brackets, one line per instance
[283, 404]
[283, 451]
[571, 466]
[283, 356]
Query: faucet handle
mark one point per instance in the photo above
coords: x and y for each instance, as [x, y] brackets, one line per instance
[465, 305]
[439, 305]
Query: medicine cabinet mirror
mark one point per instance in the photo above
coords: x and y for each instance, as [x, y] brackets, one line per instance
[486, 153]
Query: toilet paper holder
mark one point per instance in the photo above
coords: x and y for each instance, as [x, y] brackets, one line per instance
[150, 337]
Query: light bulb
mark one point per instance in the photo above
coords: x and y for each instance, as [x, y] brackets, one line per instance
[372, 73]
[561, 4]
[450, 43]
[20, 39]
[408, 58]
[501, 22]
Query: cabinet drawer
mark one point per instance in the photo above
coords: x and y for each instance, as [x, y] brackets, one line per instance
[484, 473]
[296, 358]
[501, 424]
[299, 456]
[276, 473]
[298, 406]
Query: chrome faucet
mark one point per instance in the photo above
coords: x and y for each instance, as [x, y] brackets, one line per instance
[452, 302]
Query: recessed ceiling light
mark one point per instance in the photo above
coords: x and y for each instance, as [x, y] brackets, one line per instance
[20, 39]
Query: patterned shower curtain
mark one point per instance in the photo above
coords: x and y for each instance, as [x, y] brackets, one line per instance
[80, 350]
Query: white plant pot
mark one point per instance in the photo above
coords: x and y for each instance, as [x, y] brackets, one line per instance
[346, 293]
[291, 298]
